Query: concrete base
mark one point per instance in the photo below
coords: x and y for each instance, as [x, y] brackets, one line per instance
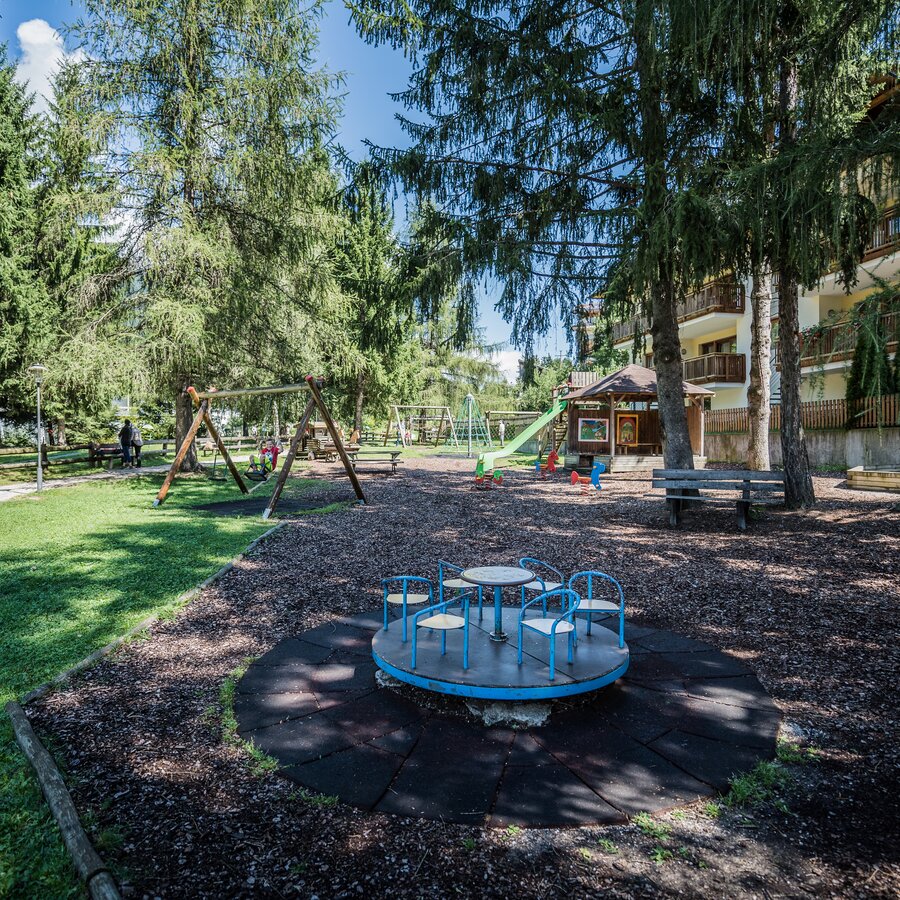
[857, 447]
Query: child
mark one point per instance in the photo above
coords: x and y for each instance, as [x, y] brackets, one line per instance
[265, 461]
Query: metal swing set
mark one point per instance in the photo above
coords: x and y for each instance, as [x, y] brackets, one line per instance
[204, 399]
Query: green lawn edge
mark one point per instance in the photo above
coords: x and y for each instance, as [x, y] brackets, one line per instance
[70, 563]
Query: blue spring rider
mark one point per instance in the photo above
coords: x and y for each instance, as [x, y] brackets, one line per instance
[593, 480]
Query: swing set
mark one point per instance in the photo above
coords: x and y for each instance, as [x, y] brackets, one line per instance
[204, 399]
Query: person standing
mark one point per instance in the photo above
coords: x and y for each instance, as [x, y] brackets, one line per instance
[125, 442]
[136, 443]
[501, 430]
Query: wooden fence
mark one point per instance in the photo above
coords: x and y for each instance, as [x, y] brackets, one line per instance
[818, 415]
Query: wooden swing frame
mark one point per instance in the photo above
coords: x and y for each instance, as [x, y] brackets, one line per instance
[203, 400]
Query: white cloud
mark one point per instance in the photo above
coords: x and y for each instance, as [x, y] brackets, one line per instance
[42, 53]
[508, 363]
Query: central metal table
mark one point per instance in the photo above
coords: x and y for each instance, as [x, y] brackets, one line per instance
[498, 577]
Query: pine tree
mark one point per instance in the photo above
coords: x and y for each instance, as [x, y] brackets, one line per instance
[216, 114]
[379, 312]
[25, 313]
[803, 189]
[561, 137]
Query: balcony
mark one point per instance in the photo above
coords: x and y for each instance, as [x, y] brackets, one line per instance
[837, 343]
[724, 368]
[724, 295]
[885, 235]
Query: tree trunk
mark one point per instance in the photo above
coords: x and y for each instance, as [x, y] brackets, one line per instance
[360, 396]
[184, 415]
[61, 431]
[798, 485]
[759, 392]
[676, 439]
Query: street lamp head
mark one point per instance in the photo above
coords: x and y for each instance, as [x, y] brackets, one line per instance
[37, 372]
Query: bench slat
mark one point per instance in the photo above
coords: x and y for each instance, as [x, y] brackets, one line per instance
[718, 474]
[717, 485]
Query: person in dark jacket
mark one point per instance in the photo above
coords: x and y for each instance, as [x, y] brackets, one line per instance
[125, 436]
[136, 443]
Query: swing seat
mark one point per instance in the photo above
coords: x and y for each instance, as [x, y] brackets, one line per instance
[255, 473]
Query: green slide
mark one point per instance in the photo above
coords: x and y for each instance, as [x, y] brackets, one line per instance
[488, 459]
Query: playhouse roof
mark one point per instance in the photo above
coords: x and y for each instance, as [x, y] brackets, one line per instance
[634, 381]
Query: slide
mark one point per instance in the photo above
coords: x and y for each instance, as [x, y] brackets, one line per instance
[527, 434]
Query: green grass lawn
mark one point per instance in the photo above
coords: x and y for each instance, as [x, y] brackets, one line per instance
[78, 567]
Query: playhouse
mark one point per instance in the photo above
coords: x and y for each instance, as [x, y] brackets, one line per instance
[615, 419]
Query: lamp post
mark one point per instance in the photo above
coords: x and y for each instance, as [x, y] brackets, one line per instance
[38, 373]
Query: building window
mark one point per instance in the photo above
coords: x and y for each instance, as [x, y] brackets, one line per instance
[725, 345]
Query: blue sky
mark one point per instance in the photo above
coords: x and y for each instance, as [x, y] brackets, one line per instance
[369, 113]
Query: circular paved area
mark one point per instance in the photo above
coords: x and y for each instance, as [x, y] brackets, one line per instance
[675, 728]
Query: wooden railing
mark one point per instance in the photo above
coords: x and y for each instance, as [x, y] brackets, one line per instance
[817, 415]
[885, 236]
[837, 342]
[724, 367]
[724, 295]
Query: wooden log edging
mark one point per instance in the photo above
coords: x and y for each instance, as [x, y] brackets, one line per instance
[90, 867]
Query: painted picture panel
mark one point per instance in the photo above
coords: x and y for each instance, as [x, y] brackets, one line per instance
[627, 428]
[596, 430]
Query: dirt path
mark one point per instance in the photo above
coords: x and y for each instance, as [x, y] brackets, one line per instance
[807, 601]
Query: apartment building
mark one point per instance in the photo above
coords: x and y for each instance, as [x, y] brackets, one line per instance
[714, 326]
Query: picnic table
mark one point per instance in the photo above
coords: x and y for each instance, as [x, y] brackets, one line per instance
[498, 577]
[382, 460]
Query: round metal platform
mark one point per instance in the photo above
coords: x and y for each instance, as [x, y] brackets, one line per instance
[494, 672]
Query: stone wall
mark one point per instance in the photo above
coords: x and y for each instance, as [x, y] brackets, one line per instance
[857, 447]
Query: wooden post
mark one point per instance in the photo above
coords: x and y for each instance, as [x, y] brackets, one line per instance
[401, 427]
[289, 459]
[612, 431]
[182, 452]
[214, 434]
[702, 404]
[440, 430]
[338, 443]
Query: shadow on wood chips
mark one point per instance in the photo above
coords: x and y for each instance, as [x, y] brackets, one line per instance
[286, 505]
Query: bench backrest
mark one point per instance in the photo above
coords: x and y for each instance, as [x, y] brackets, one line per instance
[718, 479]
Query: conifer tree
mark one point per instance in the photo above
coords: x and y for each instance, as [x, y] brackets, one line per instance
[25, 312]
[215, 112]
[379, 313]
[560, 137]
[803, 189]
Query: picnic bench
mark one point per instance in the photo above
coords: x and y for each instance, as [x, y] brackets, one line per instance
[386, 461]
[677, 482]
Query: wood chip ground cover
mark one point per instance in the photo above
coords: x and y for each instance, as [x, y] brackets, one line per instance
[807, 600]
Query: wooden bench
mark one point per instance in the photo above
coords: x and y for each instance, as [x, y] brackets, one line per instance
[386, 462]
[677, 481]
[97, 453]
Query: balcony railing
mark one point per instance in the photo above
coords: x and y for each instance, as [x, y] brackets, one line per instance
[724, 295]
[885, 235]
[838, 342]
[730, 368]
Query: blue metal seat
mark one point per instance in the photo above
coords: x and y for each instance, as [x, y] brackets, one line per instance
[405, 598]
[437, 618]
[547, 578]
[550, 627]
[593, 601]
[456, 584]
